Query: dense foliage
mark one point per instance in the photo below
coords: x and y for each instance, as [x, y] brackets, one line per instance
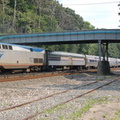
[35, 16]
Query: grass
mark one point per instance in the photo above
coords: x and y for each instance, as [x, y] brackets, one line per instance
[86, 107]
[79, 111]
[53, 109]
[117, 115]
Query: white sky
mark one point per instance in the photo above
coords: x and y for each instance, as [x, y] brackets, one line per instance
[99, 15]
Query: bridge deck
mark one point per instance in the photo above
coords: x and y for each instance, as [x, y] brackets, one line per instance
[72, 37]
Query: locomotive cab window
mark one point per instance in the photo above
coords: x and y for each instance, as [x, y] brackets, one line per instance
[10, 47]
[5, 46]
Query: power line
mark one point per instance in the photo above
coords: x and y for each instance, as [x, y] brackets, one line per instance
[94, 3]
[97, 11]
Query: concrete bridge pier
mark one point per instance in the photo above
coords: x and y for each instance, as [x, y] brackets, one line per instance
[103, 68]
[103, 64]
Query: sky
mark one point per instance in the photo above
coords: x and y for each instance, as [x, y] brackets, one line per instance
[100, 13]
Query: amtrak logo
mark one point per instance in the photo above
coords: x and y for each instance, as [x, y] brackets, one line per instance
[1, 55]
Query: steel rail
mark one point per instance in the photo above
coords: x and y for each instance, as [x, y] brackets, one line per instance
[18, 77]
[88, 92]
[20, 105]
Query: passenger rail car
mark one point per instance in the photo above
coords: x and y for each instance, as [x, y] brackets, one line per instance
[57, 59]
[91, 61]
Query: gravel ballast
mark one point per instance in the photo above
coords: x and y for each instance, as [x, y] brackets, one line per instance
[18, 92]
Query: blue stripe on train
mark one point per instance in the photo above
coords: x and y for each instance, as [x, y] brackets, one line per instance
[1, 55]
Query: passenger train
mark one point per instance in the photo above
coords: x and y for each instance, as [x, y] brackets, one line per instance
[19, 57]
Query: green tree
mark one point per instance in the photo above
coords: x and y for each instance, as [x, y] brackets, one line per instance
[113, 50]
[88, 26]
[35, 16]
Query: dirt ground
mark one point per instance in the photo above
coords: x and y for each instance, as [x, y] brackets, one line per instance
[109, 111]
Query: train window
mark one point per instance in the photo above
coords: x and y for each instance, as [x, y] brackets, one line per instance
[35, 60]
[90, 60]
[93, 61]
[0, 46]
[5, 46]
[10, 47]
[53, 58]
[38, 60]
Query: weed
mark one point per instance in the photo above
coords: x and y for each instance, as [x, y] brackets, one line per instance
[86, 107]
[51, 110]
[61, 118]
[104, 116]
[73, 116]
[117, 115]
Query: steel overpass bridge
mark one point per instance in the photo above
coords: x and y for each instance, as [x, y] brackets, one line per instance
[72, 37]
[100, 36]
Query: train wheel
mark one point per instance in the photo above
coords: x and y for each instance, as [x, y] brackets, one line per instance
[27, 70]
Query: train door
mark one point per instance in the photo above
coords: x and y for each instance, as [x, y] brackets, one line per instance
[70, 61]
[86, 61]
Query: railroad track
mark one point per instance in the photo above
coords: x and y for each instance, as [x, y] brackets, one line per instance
[26, 76]
[46, 97]
[94, 86]
[22, 76]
